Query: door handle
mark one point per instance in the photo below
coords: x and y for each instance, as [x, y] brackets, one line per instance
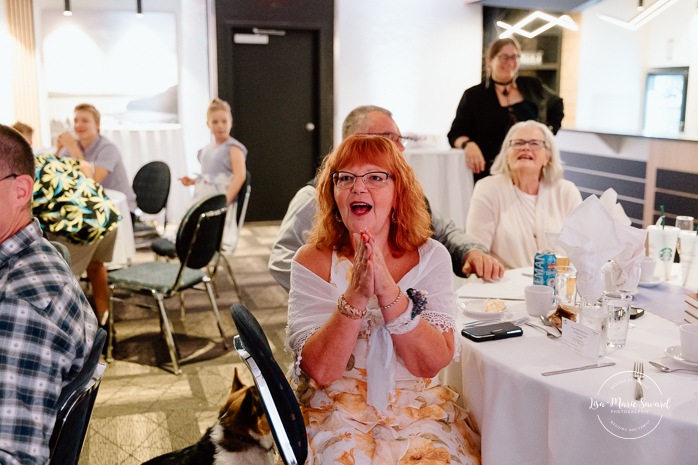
[310, 127]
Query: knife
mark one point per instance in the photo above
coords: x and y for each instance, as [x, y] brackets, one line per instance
[586, 367]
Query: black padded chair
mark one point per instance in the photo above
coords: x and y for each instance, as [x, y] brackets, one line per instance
[166, 248]
[151, 185]
[198, 240]
[75, 407]
[280, 404]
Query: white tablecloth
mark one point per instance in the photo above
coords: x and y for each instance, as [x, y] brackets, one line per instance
[125, 246]
[526, 418]
[447, 182]
[142, 144]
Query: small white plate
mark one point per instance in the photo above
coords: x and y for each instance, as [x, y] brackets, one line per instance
[675, 353]
[474, 308]
[654, 282]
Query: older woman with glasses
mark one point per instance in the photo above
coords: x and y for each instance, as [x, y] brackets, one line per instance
[371, 318]
[487, 111]
[526, 196]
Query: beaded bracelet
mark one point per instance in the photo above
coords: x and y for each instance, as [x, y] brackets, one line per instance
[399, 293]
[410, 317]
[347, 310]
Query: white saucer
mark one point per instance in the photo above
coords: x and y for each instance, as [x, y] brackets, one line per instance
[675, 353]
[473, 308]
[654, 282]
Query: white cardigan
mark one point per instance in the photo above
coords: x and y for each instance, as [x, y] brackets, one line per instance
[496, 217]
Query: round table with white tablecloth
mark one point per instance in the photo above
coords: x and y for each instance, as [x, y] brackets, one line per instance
[447, 182]
[125, 246]
[140, 144]
[527, 418]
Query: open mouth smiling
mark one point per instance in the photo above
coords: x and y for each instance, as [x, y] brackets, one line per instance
[360, 208]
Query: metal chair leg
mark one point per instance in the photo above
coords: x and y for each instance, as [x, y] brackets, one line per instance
[110, 330]
[181, 305]
[165, 321]
[234, 282]
[209, 289]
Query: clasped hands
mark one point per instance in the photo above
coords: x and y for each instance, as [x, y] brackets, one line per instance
[370, 275]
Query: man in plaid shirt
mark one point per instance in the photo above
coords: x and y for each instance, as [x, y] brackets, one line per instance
[46, 324]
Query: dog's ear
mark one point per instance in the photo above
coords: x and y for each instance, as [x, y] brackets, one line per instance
[237, 382]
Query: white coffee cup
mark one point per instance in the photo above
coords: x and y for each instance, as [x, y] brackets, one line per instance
[647, 267]
[688, 334]
[539, 300]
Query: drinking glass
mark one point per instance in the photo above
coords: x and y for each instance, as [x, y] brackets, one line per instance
[689, 259]
[593, 314]
[684, 223]
[617, 306]
[566, 285]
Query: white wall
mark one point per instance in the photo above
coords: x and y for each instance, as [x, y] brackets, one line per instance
[614, 62]
[413, 57]
[192, 44]
[6, 103]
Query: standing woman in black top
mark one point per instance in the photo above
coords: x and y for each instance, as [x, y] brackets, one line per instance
[487, 111]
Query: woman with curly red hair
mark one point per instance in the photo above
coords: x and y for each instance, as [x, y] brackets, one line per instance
[371, 318]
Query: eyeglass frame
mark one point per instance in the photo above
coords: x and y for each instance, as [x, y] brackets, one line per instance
[392, 136]
[504, 57]
[13, 175]
[525, 142]
[382, 185]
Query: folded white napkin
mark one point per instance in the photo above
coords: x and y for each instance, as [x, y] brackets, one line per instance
[625, 267]
[591, 237]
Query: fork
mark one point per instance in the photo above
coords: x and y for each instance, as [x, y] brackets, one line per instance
[638, 374]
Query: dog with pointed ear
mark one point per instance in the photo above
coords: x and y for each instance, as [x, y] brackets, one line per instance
[241, 436]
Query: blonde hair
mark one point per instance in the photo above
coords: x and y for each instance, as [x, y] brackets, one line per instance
[551, 173]
[24, 129]
[219, 105]
[411, 226]
[88, 107]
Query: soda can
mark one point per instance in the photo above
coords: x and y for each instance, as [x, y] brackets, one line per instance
[545, 268]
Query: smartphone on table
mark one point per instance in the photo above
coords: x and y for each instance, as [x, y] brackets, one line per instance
[492, 332]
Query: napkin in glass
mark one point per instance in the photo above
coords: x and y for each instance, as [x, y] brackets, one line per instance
[625, 267]
[591, 237]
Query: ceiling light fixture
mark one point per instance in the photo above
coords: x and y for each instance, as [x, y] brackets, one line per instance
[139, 9]
[642, 18]
[563, 21]
[66, 9]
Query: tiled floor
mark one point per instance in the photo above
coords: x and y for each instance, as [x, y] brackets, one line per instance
[143, 411]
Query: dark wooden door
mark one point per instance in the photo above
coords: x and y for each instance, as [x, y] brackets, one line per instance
[275, 113]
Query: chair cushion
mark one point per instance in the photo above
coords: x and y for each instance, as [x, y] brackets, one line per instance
[164, 248]
[159, 276]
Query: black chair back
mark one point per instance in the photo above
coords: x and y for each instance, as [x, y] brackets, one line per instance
[201, 231]
[279, 401]
[243, 199]
[152, 186]
[75, 409]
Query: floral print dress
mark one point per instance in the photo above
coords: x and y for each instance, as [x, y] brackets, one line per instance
[422, 424]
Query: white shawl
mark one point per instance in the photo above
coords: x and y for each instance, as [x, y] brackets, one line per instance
[312, 300]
